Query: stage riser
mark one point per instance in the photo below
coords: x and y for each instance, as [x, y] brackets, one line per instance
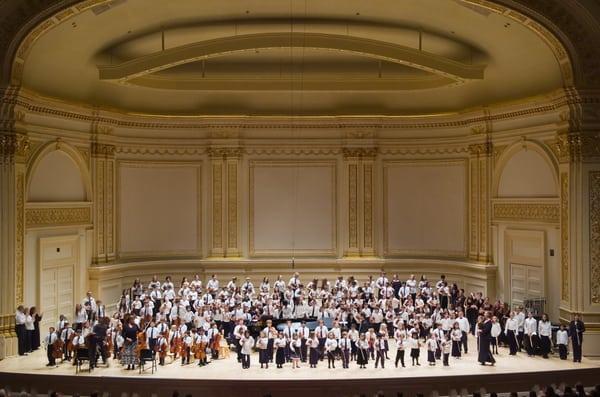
[226, 388]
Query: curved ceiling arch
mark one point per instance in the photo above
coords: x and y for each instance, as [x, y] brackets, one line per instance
[168, 58]
[460, 98]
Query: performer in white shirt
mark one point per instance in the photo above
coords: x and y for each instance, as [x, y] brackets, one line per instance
[321, 332]
[246, 343]
[511, 329]
[495, 333]
[465, 327]
[51, 339]
[345, 346]
[330, 347]
[545, 332]
[530, 334]
[280, 345]
[562, 340]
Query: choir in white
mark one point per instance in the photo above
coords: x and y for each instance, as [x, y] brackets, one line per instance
[291, 323]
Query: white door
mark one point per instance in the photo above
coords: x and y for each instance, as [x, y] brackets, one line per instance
[56, 295]
[527, 282]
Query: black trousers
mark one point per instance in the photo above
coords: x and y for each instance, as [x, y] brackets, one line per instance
[380, 357]
[20, 329]
[51, 359]
[562, 351]
[400, 357]
[464, 342]
[513, 343]
[245, 361]
[28, 338]
[576, 350]
[445, 360]
[545, 345]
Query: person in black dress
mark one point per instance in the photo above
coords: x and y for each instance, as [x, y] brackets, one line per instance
[485, 335]
[130, 331]
[35, 336]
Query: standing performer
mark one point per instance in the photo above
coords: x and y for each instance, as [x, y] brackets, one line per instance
[129, 355]
[414, 344]
[35, 337]
[576, 330]
[530, 330]
[496, 331]
[51, 340]
[246, 344]
[464, 326]
[304, 333]
[330, 347]
[446, 347]
[345, 348]
[456, 336]
[562, 340]
[313, 346]
[485, 333]
[400, 346]
[432, 347]
[20, 319]
[280, 344]
[380, 351]
[263, 354]
[162, 347]
[321, 333]
[362, 358]
[295, 346]
[354, 336]
[510, 329]
[545, 332]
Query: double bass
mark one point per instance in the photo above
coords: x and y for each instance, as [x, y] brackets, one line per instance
[162, 349]
[141, 343]
[215, 344]
[57, 348]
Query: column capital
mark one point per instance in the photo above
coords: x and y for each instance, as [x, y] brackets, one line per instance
[224, 152]
[103, 149]
[13, 145]
[359, 152]
[481, 149]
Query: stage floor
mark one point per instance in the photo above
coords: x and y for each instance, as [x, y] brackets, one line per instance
[227, 371]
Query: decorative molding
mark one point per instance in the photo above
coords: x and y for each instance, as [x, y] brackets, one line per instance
[359, 152]
[577, 146]
[161, 151]
[36, 217]
[353, 206]
[368, 245]
[278, 151]
[481, 149]
[100, 149]
[526, 212]
[564, 236]
[224, 152]
[594, 236]
[20, 237]
[217, 206]
[14, 145]
[473, 207]
[232, 207]
[411, 151]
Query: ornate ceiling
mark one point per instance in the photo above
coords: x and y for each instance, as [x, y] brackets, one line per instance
[340, 57]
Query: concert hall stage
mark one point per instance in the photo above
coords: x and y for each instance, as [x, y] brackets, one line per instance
[226, 377]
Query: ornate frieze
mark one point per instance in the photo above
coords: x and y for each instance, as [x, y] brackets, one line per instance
[594, 236]
[359, 152]
[577, 146]
[14, 145]
[101, 149]
[481, 149]
[58, 216]
[526, 212]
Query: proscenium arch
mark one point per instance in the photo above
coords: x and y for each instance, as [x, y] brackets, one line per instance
[72, 153]
[360, 46]
[514, 148]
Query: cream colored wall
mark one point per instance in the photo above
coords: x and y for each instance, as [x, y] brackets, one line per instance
[56, 178]
[292, 208]
[527, 174]
[425, 208]
[159, 209]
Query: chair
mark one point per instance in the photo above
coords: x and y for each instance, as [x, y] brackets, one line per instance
[147, 355]
[82, 354]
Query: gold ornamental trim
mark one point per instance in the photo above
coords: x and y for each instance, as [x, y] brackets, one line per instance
[595, 237]
[58, 216]
[537, 212]
[564, 235]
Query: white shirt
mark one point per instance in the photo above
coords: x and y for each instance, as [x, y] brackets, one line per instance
[530, 326]
[20, 318]
[562, 337]
[331, 344]
[247, 344]
[545, 328]
[321, 331]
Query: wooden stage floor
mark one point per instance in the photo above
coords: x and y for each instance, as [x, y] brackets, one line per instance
[225, 377]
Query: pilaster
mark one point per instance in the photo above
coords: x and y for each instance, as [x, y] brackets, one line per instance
[14, 148]
[578, 148]
[480, 176]
[359, 164]
[103, 186]
[225, 165]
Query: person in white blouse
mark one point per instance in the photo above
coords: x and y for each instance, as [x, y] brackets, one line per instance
[321, 332]
[330, 347]
[562, 340]
[530, 330]
[545, 332]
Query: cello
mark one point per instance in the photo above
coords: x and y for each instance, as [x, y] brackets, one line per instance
[57, 348]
